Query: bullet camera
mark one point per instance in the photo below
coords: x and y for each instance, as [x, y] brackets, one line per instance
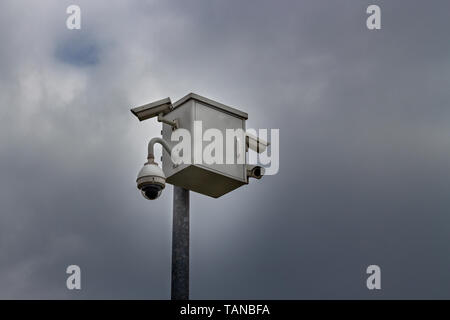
[151, 181]
[255, 143]
[154, 109]
[256, 172]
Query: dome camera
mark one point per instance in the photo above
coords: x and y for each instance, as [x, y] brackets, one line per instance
[151, 181]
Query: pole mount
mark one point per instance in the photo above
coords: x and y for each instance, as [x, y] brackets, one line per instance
[174, 124]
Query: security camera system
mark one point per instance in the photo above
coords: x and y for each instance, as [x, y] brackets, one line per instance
[205, 147]
[197, 115]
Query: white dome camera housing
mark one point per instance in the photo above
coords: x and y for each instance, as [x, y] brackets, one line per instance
[151, 181]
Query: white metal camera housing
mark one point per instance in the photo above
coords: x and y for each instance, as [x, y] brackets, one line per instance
[151, 181]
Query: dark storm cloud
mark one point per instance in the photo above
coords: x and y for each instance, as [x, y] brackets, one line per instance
[78, 51]
[364, 140]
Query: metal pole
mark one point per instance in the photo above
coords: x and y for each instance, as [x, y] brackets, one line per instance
[180, 244]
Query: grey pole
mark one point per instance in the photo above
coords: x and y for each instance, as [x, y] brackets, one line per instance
[180, 244]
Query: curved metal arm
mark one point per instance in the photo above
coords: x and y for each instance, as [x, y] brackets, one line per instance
[151, 146]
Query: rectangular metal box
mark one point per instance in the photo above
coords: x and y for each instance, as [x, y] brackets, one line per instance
[212, 180]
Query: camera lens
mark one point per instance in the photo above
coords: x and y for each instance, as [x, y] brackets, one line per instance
[152, 191]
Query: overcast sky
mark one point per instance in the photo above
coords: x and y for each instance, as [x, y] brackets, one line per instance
[364, 148]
